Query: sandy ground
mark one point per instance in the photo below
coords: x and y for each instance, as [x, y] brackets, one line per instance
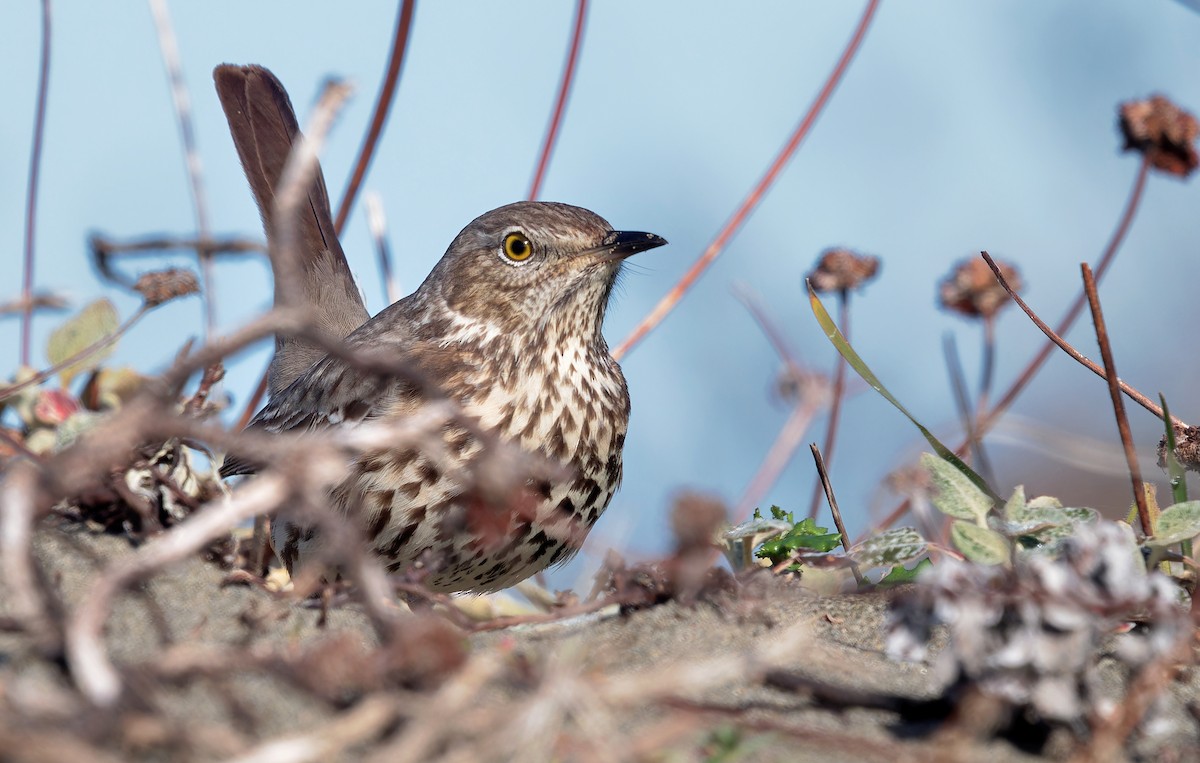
[768, 672]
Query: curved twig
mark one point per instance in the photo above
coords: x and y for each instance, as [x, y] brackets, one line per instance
[383, 105]
[183, 111]
[734, 224]
[564, 90]
[35, 164]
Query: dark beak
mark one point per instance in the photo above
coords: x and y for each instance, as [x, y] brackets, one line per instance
[625, 243]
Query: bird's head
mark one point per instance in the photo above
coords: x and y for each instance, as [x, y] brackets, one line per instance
[525, 265]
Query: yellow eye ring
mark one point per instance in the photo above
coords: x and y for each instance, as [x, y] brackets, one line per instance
[517, 247]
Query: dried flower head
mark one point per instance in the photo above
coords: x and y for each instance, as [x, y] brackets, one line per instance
[1162, 132]
[164, 285]
[1187, 448]
[841, 270]
[973, 290]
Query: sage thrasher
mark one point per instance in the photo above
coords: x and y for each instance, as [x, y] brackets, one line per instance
[507, 326]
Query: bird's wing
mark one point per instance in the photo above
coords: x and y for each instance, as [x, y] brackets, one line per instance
[336, 393]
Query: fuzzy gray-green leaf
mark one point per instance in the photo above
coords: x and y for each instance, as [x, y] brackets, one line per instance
[979, 544]
[891, 548]
[1176, 524]
[954, 494]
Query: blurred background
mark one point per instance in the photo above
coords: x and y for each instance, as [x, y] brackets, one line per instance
[959, 127]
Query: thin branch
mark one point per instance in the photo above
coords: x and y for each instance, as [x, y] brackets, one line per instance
[777, 458]
[748, 205]
[30, 603]
[383, 105]
[825, 482]
[35, 164]
[104, 250]
[41, 301]
[87, 352]
[1066, 347]
[360, 724]
[560, 104]
[769, 328]
[1106, 259]
[835, 406]
[294, 181]
[169, 48]
[256, 398]
[1068, 320]
[1114, 390]
[377, 224]
[962, 402]
[94, 673]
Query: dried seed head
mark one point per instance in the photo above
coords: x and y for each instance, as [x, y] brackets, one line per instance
[164, 285]
[973, 290]
[841, 270]
[1162, 132]
[1187, 448]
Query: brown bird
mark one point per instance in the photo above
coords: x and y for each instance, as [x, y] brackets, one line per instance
[507, 325]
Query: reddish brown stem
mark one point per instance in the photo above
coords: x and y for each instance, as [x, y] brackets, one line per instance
[1068, 320]
[835, 406]
[734, 224]
[1114, 244]
[383, 105]
[35, 164]
[252, 404]
[1114, 390]
[564, 90]
[831, 499]
[1066, 347]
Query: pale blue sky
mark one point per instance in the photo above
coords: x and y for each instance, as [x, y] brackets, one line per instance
[961, 126]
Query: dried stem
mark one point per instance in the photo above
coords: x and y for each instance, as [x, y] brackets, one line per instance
[734, 224]
[294, 181]
[823, 473]
[769, 328]
[1114, 390]
[360, 724]
[383, 104]
[1106, 259]
[777, 458]
[835, 406]
[256, 398]
[93, 672]
[35, 164]
[169, 47]
[377, 224]
[1068, 320]
[560, 103]
[1066, 347]
[30, 603]
[962, 402]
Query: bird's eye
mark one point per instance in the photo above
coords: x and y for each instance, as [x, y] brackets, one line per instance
[517, 247]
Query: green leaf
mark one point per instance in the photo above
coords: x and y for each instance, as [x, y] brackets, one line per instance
[1045, 502]
[900, 575]
[1174, 468]
[1176, 524]
[891, 548]
[954, 493]
[979, 544]
[93, 324]
[805, 534]
[1015, 505]
[843, 347]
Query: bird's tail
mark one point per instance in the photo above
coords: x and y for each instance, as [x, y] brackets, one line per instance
[264, 128]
